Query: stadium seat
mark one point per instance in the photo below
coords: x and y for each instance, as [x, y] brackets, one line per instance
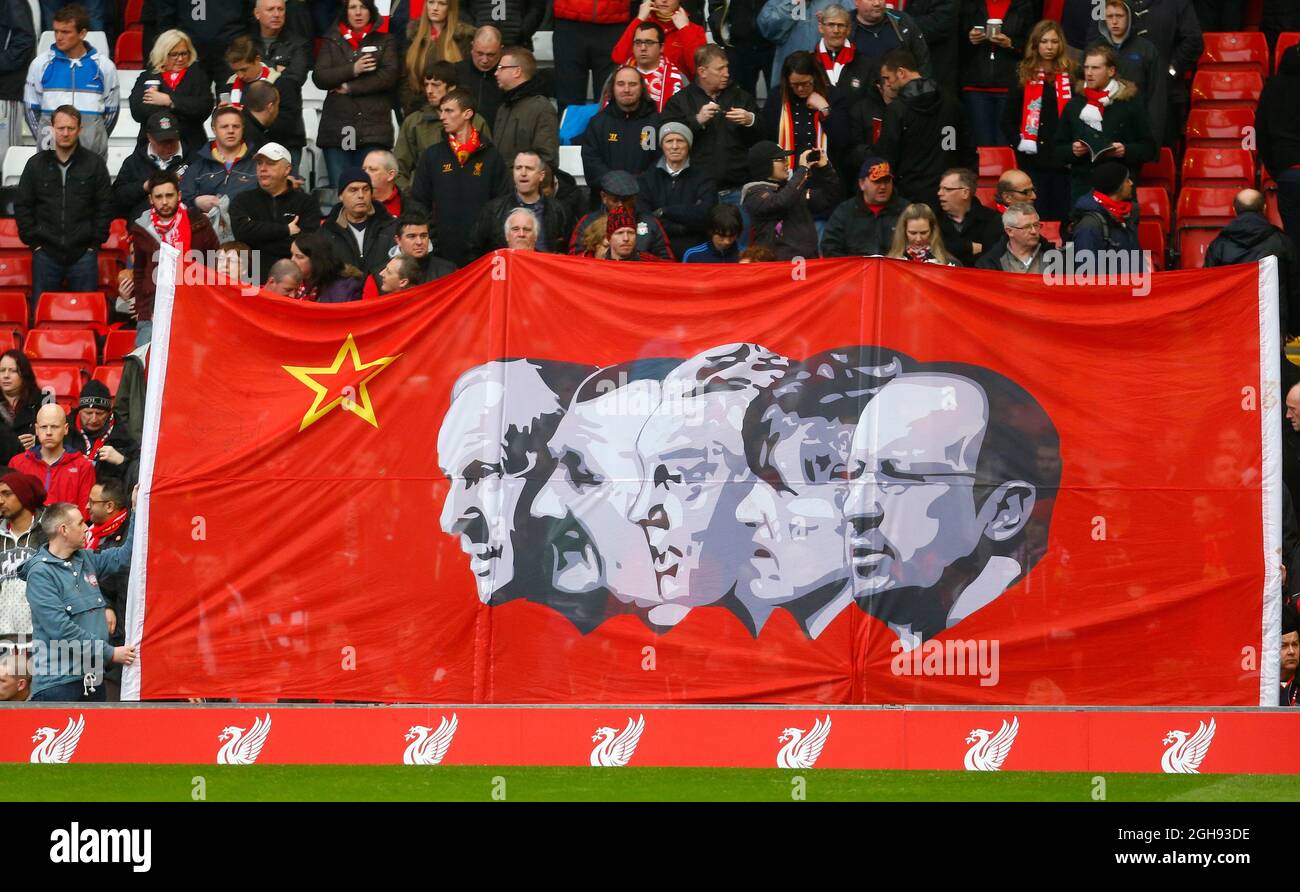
[116, 237]
[1152, 238]
[1218, 167]
[1219, 128]
[1192, 244]
[571, 163]
[133, 8]
[1284, 40]
[97, 39]
[1051, 231]
[1154, 205]
[13, 311]
[9, 235]
[15, 160]
[110, 375]
[1205, 207]
[72, 309]
[64, 346]
[1234, 51]
[64, 381]
[1226, 89]
[118, 343]
[15, 270]
[130, 50]
[1272, 212]
[1161, 173]
[110, 264]
[993, 161]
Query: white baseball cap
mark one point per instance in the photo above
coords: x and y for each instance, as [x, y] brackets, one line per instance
[274, 151]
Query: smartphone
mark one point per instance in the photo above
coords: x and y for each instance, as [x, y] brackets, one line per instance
[814, 156]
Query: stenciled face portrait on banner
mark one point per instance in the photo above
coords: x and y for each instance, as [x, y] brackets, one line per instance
[742, 479]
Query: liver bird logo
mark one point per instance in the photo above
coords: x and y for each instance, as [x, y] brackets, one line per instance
[242, 748]
[427, 747]
[801, 751]
[1186, 752]
[990, 750]
[56, 747]
[615, 749]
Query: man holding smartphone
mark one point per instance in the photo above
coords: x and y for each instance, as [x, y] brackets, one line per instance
[268, 218]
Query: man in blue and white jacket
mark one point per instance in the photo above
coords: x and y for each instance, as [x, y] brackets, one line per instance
[73, 73]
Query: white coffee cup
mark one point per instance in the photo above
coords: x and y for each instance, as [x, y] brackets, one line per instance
[152, 84]
[370, 49]
[994, 28]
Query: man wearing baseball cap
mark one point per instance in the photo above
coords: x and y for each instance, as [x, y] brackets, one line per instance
[863, 226]
[618, 188]
[268, 218]
[776, 200]
[161, 151]
[679, 193]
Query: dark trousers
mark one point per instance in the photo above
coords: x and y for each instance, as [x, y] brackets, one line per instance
[51, 274]
[749, 63]
[1053, 188]
[582, 48]
[1288, 204]
[984, 117]
[72, 692]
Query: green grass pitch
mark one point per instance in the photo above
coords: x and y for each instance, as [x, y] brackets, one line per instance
[307, 783]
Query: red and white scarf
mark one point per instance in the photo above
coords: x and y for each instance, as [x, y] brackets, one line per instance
[101, 531]
[238, 85]
[663, 83]
[1117, 209]
[354, 38]
[785, 130]
[834, 66]
[462, 150]
[92, 450]
[1031, 112]
[173, 78]
[1095, 110]
[174, 232]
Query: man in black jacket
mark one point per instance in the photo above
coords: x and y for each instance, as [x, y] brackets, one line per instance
[967, 226]
[1101, 222]
[518, 20]
[64, 207]
[1249, 238]
[261, 111]
[477, 75]
[456, 177]
[878, 30]
[863, 226]
[1277, 128]
[553, 224]
[1170, 25]
[734, 26]
[288, 55]
[269, 217]
[679, 194]
[161, 151]
[1137, 60]
[722, 116]
[17, 49]
[361, 230]
[923, 133]
[621, 136]
[212, 26]
[937, 21]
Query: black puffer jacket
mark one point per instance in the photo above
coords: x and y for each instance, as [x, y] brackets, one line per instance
[191, 105]
[1249, 238]
[17, 47]
[987, 64]
[64, 218]
[620, 140]
[916, 140]
[1277, 126]
[682, 203]
[368, 104]
[855, 231]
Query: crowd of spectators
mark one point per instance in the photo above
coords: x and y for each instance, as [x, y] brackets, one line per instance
[441, 136]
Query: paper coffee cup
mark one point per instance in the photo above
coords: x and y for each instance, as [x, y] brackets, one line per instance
[994, 27]
[370, 49]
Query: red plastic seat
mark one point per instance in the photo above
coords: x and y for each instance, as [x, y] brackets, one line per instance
[116, 237]
[1219, 128]
[118, 343]
[110, 265]
[1152, 238]
[1161, 173]
[1226, 89]
[64, 381]
[1050, 231]
[1154, 205]
[1218, 167]
[133, 8]
[1272, 212]
[1192, 245]
[72, 309]
[13, 311]
[988, 196]
[110, 375]
[15, 270]
[1284, 40]
[993, 161]
[1205, 207]
[9, 239]
[1234, 51]
[130, 50]
[68, 346]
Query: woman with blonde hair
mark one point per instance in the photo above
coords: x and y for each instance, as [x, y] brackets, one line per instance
[438, 36]
[1033, 109]
[173, 82]
[917, 238]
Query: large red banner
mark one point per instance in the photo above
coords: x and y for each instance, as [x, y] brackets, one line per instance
[847, 481]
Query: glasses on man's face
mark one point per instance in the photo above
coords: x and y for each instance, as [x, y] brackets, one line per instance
[1030, 191]
[951, 188]
[645, 43]
[1028, 227]
[503, 67]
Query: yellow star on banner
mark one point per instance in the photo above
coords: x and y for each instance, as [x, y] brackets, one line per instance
[356, 402]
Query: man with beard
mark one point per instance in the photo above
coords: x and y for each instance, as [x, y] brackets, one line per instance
[797, 436]
[692, 450]
[945, 477]
[597, 552]
[492, 447]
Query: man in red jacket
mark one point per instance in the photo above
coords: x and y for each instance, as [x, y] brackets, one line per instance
[585, 34]
[682, 37]
[68, 476]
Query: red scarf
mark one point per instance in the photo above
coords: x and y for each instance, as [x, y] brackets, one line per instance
[173, 78]
[834, 66]
[664, 82]
[101, 531]
[1001, 208]
[997, 8]
[175, 232]
[305, 292]
[918, 254]
[1032, 109]
[354, 38]
[462, 150]
[1117, 209]
[785, 130]
[92, 451]
[238, 85]
[876, 209]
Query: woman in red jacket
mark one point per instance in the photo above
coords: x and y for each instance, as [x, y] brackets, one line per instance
[682, 37]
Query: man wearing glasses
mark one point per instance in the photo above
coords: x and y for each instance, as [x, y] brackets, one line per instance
[967, 226]
[1014, 186]
[1023, 248]
[662, 78]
